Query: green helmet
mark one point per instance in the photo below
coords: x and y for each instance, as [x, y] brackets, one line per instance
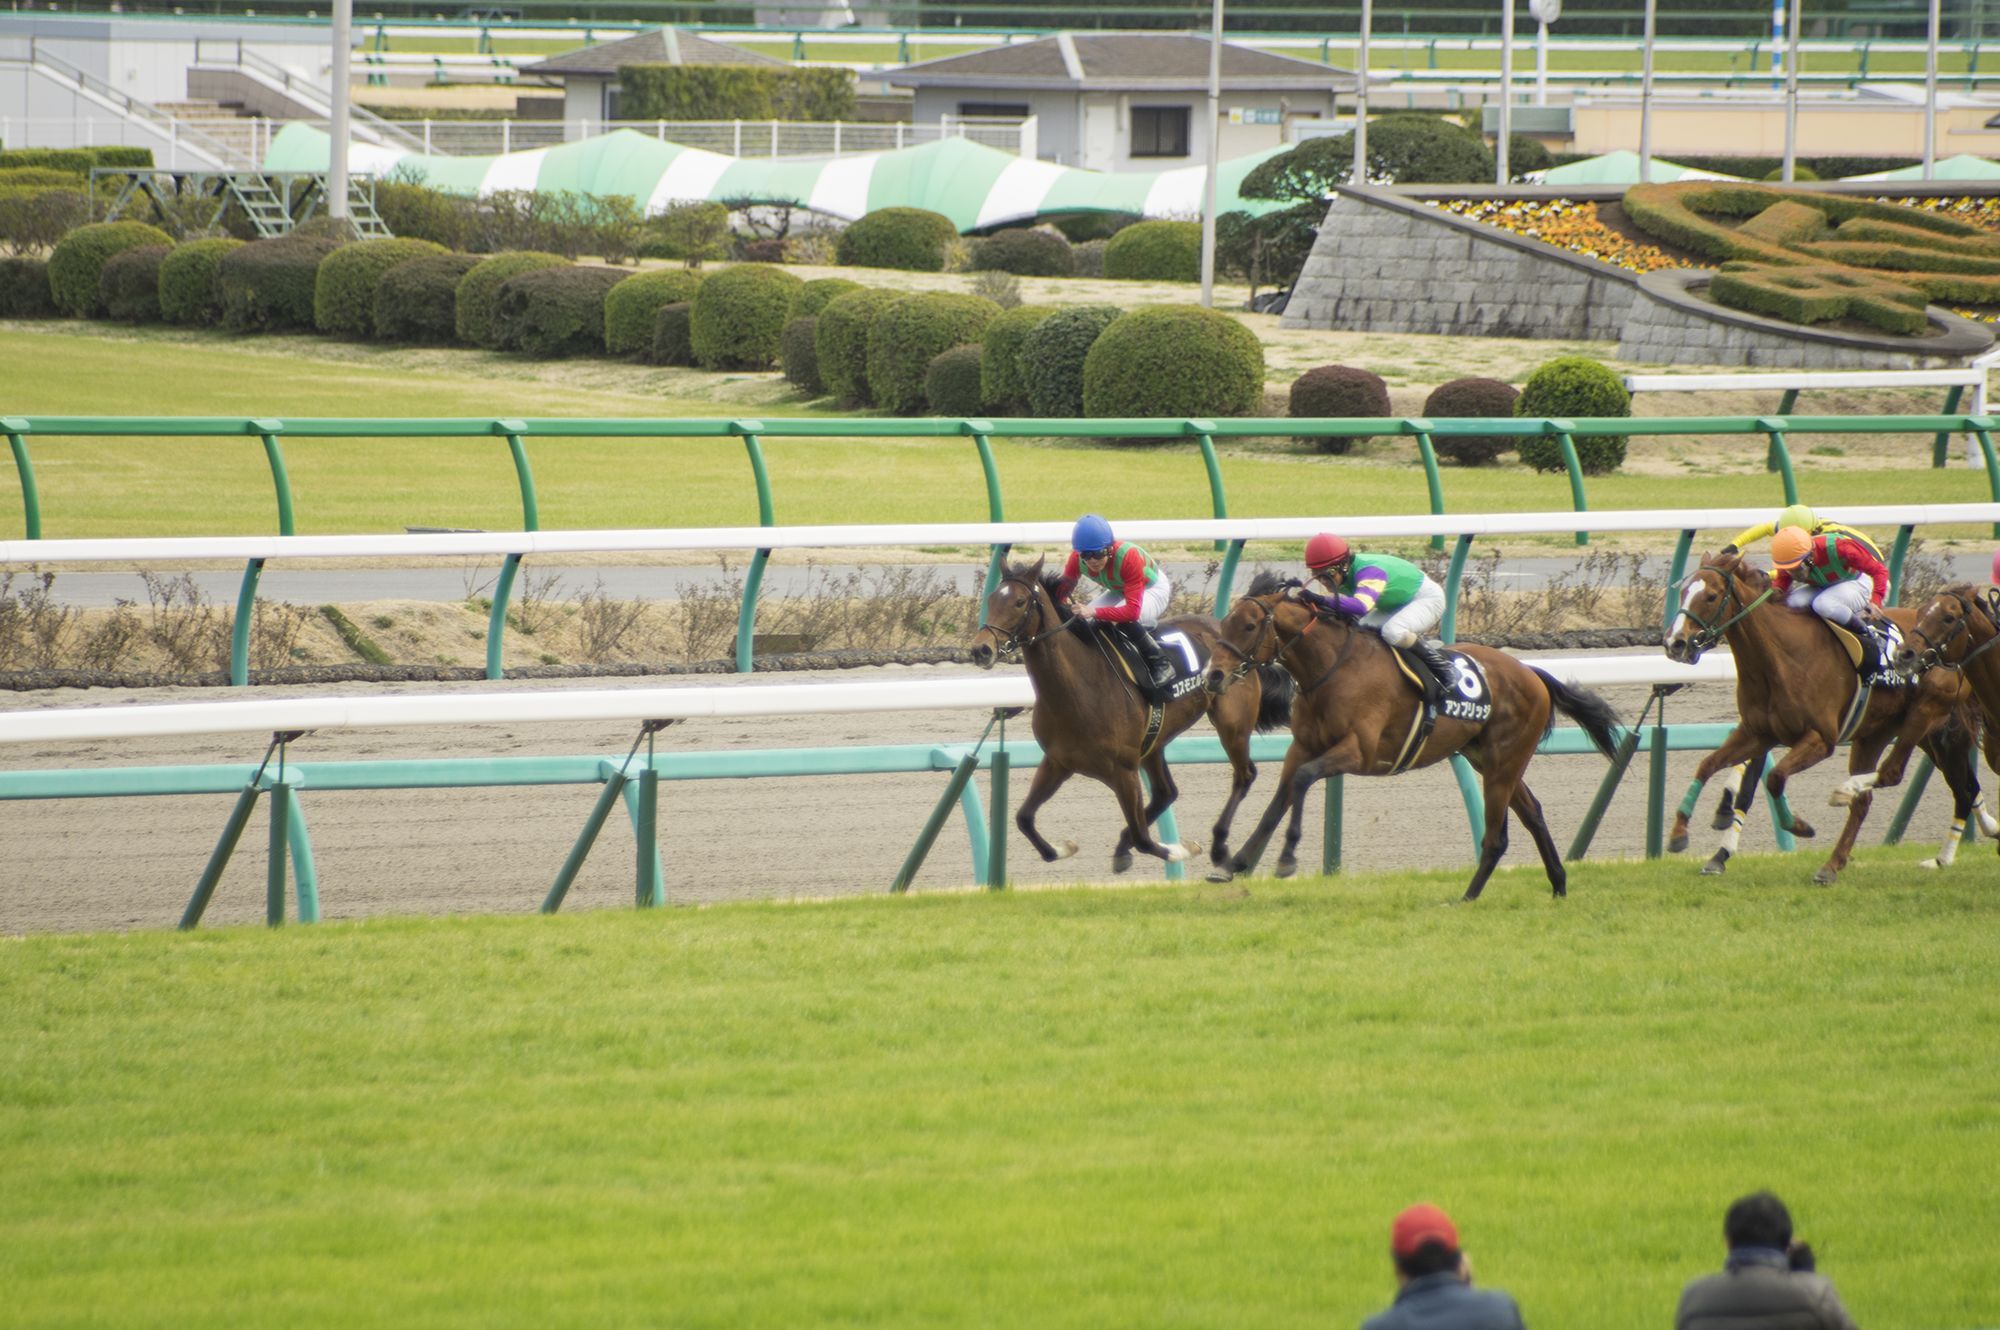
[1800, 516]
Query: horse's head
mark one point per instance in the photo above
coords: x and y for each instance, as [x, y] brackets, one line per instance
[1945, 626]
[1711, 594]
[1255, 632]
[1015, 614]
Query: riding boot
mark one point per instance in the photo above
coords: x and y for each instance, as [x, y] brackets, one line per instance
[1154, 655]
[1440, 666]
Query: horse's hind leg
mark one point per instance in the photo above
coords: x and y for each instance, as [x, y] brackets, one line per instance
[1164, 794]
[1740, 745]
[1131, 801]
[1498, 796]
[1745, 780]
[1725, 812]
[1048, 779]
[1235, 732]
[1810, 750]
[1529, 809]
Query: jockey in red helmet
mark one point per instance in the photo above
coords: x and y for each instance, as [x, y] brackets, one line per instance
[1136, 588]
[1391, 595]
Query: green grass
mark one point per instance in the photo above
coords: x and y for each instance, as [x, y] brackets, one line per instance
[1170, 1106]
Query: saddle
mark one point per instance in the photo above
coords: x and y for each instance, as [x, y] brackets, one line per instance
[1188, 657]
[1466, 697]
[1871, 652]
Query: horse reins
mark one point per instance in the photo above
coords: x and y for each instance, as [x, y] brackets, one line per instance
[1247, 661]
[1710, 633]
[1013, 642]
[1932, 655]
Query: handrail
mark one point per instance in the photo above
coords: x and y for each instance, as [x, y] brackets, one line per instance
[156, 120]
[360, 116]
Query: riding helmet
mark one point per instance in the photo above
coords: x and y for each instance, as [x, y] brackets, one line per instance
[1092, 534]
[1325, 550]
[1800, 516]
[1789, 547]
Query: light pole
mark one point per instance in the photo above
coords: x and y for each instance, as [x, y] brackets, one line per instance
[1501, 175]
[1214, 152]
[1792, 97]
[1359, 175]
[1646, 98]
[1544, 13]
[1930, 98]
[336, 160]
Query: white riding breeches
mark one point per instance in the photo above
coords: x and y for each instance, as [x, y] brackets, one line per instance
[1152, 603]
[1841, 603]
[1402, 626]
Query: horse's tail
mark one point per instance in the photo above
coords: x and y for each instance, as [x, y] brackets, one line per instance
[1274, 710]
[1586, 708]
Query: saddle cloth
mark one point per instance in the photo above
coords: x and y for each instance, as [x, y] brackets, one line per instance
[1189, 659]
[1871, 653]
[1465, 696]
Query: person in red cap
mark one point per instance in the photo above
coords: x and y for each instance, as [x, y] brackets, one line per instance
[1391, 595]
[1435, 1280]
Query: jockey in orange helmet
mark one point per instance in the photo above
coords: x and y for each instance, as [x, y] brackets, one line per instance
[1838, 576]
[1391, 595]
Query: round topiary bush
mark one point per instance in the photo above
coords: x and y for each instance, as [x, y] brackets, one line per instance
[1338, 392]
[268, 284]
[24, 289]
[129, 286]
[418, 212]
[1155, 252]
[841, 343]
[1568, 387]
[473, 301]
[417, 300]
[910, 334]
[79, 258]
[740, 314]
[1025, 253]
[1427, 149]
[1001, 388]
[187, 280]
[1088, 258]
[554, 312]
[630, 309]
[909, 239]
[1050, 361]
[820, 292]
[1462, 398]
[344, 292]
[951, 384]
[673, 343]
[799, 356]
[1174, 360]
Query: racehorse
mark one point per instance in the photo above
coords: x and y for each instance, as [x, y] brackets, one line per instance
[1959, 628]
[1089, 718]
[1794, 688]
[1354, 713]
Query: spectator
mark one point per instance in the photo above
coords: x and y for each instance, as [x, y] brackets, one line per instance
[1768, 1282]
[1435, 1281]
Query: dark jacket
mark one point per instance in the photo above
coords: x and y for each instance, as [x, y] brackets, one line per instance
[1441, 1302]
[1760, 1291]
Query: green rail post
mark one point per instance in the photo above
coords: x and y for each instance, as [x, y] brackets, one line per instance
[530, 510]
[650, 891]
[1779, 457]
[1217, 498]
[31, 501]
[1332, 816]
[976, 836]
[1226, 581]
[1911, 798]
[1982, 430]
[1563, 429]
[995, 507]
[928, 836]
[218, 859]
[746, 617]
[632, 811]
[607, 799]
[1448, 626]
[496, 622]
[304, 872]
[281, 838]
[1896, 555]
[1656, 788]
[996, 827]
[1678, 570]
[1475, 804]
[1428, 452]
[239, 631]
[1788, 401]
[1941, 445]
[269, 430]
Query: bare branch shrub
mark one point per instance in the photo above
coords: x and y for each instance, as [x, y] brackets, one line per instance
[603, 623]
[106, 645]
[274, 633]
[708, 613]
[183, 623]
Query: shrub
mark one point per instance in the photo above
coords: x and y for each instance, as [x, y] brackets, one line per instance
[908, 239]
[1462, 398]
[690, 230]
[74, 161]
[630, 308]
[129, 286]
[1402, 149]
[951, 383]
[734, 92]
[1025, 253]
[1174, 360]
[820, 292]
[268, 284]
[550, 313]
[1088, 258]
[24, 289]
[117, 155]
[1050, 361]
[1776, 174]
[1001, 388]
[739, 315]
[1267, 249]
[36, 217]
[673, 343]
[473, 302]
[417, 212]
[842, 341]
[41, 177]
[911, 333]
[344, 292]
[1568, 387]
[1155, 252]
[79, 259]
[1339, 392]
[1525, 154]
[1002, 288]
[187, 280]
[416, 300]
[799, 355]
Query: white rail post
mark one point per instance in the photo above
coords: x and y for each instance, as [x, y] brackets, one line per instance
[1792, 97]
[1208, 188]
[1358, 174]
[1930, 96]
[1646, 96]
[336, 174]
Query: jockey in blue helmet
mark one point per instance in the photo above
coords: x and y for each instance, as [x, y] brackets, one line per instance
[1136, 588]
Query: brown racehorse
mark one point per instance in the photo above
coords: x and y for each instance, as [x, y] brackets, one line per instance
[1090, 719]
[1355, 709]
[1958, 629]
[1794, 684]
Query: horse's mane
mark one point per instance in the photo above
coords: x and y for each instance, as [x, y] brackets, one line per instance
[1755, 577]
[1051, 580]
[1267, 581]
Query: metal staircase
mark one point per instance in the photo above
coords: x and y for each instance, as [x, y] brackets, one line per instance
[273, 201]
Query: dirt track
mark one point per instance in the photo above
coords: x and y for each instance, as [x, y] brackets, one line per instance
[83, 864]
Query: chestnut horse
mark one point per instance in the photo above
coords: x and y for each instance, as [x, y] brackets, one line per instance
[1090, 719]
[1794, 686]
[1355, 709]
[1960, 630]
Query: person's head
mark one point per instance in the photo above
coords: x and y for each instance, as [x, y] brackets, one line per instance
[1327, 555]
[1423, 1241]
[1790, 547]
[1091, 539]
[1800, 516]
[1758, 1220]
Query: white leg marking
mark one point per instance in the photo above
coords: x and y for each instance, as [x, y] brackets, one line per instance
[1066, 849]
[1176, 853]
[1987, 823]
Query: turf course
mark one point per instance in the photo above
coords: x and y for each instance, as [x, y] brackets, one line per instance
[1173, 1106]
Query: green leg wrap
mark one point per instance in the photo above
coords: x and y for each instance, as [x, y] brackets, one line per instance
[1691, 798]
[1784, 810]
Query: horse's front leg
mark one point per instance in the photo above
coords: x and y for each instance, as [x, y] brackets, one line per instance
[1243, 772]
[1738, 747]
[1302, 782]
[1951, 751]
[1049, 777]
[1737, 808]
[1253, 848]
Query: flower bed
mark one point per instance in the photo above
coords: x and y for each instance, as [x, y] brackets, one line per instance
[1565, 224]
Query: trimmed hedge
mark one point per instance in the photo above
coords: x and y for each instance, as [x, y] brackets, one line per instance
[344, 292]
[79, 259]
[1089, 258]
[734, 92]
[1050, 361]
[1025, 253]
[799, 355]
[820, 292]
[1155, 252]
[24, 289]
[1814, 295]
[1462, 398]
[673, 343]
[842, 341]
[630, 308]
[187, 280]
[1339, 391]
[473, 302]
[740, 314]
[129, 286]
[907, 239]
[911, 333]
[268, 284]
[416, 301]
[35, 217]
[550, 313]
[1001, 387]
[1568, 387]
[74, 161]
[418, 212]
[951, 384]
[41, 177]
[1174, 360]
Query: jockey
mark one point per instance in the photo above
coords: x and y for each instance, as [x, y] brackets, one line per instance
[1137, 589]
[1802, 517]
[1831, 573]
[1391, 595]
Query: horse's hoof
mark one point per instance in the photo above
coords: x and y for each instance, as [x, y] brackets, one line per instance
[1716, 863]
[1825, 877]
[1287, 866]
[1724, 819]
[1220, 874]
[1176, 853]
[1802, 829]
[1840, 798]
[1065, 850]
[1929, 863]
[1678, 844]
[1121, 862]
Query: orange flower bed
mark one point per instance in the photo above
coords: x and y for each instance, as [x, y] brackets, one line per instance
[1565, 224]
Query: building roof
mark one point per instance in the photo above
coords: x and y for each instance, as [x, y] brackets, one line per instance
[1113, 61]
[656, 46]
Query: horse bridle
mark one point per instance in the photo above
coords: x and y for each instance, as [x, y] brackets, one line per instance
[1932, 655]
[1249, 661]
[1012, 643]
[1711, 633]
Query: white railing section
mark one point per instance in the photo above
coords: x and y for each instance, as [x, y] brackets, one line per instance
[731, 138]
